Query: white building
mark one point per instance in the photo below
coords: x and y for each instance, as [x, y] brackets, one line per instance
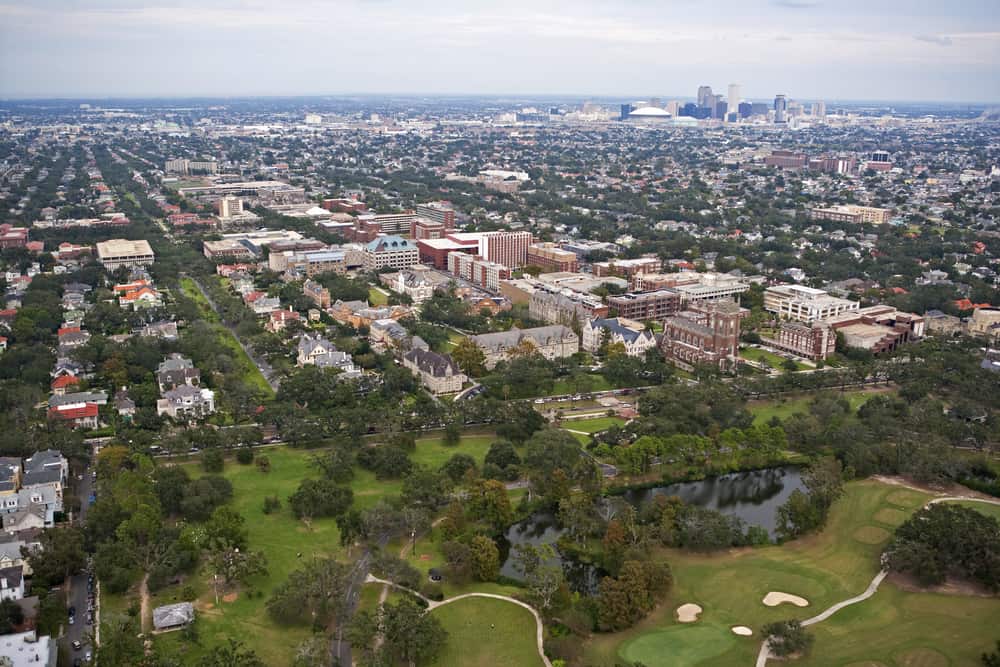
[633, 336]
[805, 304]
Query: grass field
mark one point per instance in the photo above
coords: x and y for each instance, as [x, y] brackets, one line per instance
[282, 539]
[564, 386]
[487, 633]
[594, 425]
[377, 298]
[773, 360]
[248, 369]
[893, 628]
[985, 508]
[784, 408]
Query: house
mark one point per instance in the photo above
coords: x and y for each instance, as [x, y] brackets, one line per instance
[387, 334]
[186, 402]
[11, 583]
[438, 372]
[165, 330]
[318, 351]
[633, 336]
[63, 384]
[317, 293]
[22, 519]
[124, 406]
[280, 319]
[69, 398]
[46, 466]
[173, 616]
[76, 415]
[551, 342]
[176, 370]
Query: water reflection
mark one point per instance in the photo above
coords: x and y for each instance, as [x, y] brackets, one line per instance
[752, 496]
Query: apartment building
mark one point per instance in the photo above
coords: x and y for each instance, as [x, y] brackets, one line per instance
[477, 270]
[643, 306]
[852, 214]
[550, 257]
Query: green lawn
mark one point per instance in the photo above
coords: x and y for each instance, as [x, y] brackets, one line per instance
[892, 628]
[783, 408]
[487, 633]
[594, 425]
[773, 360]
[985, 508]
[248, 369]
[282, 539]
[564, 386]
[377, 298]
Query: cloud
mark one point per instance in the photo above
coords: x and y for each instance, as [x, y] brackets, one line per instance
[796, 4]
[940, 40]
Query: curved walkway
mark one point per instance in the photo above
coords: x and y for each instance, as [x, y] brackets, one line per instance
[432, 605]
[765, 649]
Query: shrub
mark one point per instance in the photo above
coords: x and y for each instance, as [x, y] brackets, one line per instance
[212, 461]
[244, 455]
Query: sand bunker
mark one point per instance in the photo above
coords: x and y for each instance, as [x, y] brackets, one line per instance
[774, 598]
[741, 630]
[688, 613]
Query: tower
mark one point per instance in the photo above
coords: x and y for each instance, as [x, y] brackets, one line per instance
[704, 96]
[780, 108]
[732, 111]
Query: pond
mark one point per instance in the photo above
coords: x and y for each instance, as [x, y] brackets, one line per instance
[753, 496]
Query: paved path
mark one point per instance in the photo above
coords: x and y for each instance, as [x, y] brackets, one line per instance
[765, 651]
[432, 605]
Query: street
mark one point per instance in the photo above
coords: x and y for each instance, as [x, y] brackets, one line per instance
[77, 595]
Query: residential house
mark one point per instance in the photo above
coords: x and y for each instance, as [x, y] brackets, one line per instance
[76, 415]
[165, 330]
[318, 351]
[186, 402]
[280, 319]
[633, 336]
[317, 293]
[124, 406]
[438, 372]
[11, 583]
[176, 370]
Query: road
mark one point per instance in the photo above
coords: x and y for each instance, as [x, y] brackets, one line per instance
[77, 593]
[265, 368]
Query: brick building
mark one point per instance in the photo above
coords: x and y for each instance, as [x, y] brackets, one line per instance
[642, 306]
[707, 333]
[549, 257]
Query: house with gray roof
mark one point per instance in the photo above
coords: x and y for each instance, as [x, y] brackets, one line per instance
[438, 372]
[172, 616]
[633, 336]
[186, 402]
[177, 370]
[552, 342]
[318, 351]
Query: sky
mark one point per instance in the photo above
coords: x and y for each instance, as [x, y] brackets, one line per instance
[926, 50]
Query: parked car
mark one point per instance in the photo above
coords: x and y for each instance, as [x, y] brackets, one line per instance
[77, 645]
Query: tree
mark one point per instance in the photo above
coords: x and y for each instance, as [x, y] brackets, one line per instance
[61, 554]
[225, 529]
[452, 434]
[458, 466]
[424, 488]
[212, 461]
[469, 357]
[409, 634]
[992, 659]
[541, 572]
[490, 503]
[622, 601]
[231, 654]
[236, 565]
[336, 464]
[787, 638]
[313, 652]
[320, 498]
[314, 593]
[485, 558]
[11, 616]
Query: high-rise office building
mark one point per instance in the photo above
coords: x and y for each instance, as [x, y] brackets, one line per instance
[780, 109]
[704, 96]
[819, 110]
[673, 108]
[745, 109]
[734, 100]
[625, 111]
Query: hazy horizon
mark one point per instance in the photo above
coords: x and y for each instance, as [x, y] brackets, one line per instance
[850, 50]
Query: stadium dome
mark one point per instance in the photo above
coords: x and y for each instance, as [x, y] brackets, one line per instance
[649, 112]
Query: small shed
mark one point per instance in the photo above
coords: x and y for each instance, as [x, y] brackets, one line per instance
[173, 616]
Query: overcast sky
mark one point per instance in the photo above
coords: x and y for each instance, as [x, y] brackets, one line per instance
[807, 49]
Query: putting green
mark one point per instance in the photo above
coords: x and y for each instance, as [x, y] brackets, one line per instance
[678, 646]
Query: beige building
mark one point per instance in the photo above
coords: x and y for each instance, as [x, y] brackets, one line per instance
[116, 253]
[985, 323]
[853, 214]
[391, 251]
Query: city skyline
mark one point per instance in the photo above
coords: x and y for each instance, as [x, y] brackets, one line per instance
[803, 48]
